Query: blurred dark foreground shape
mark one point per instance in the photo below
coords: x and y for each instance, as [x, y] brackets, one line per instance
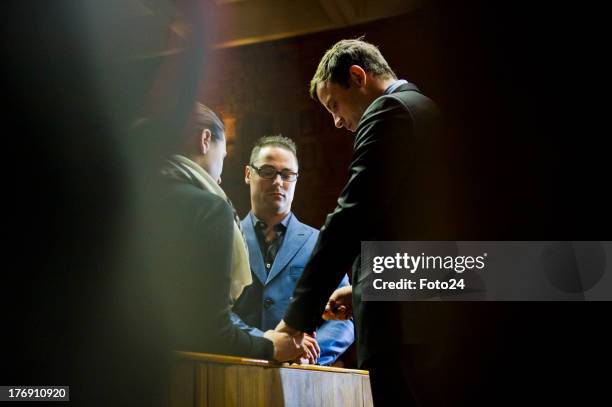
[75, 77]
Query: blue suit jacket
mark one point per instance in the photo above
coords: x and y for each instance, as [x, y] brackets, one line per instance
[263, 304]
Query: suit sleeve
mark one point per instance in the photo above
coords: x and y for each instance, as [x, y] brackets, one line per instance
[197, 281]
[381, 154]
[230, 337]
[251, 330]
[335, 337]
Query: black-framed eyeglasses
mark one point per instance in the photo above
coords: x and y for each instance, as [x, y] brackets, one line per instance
[269, 172]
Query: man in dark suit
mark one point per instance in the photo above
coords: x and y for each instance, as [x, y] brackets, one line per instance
[195, 245]
[279, 246]
[390, 195]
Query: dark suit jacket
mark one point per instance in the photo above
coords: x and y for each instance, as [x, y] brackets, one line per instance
[191, 248]
[390, 195]
[263, 304]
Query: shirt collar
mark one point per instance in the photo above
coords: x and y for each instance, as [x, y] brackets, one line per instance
[285, 222]
[394, 86]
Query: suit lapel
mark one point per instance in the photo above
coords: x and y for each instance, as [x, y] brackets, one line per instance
[255, 258]
[295, 237]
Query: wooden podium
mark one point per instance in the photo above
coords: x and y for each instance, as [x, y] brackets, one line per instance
[207, 380]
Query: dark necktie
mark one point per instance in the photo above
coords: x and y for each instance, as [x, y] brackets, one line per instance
[270, 249]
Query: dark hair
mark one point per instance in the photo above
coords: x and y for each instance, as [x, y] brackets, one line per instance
[335, 64]
[274, 141]
[205, 118]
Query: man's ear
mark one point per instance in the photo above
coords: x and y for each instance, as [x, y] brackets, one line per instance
[247, 175]
[204, 141]
[357, 75]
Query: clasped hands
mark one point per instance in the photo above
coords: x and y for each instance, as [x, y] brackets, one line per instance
[293, 345]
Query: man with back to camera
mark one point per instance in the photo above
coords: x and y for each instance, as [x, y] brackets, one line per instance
[386, 198]
[199, 253]
[279, 246]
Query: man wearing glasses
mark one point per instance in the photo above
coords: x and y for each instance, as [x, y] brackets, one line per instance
[279, 246]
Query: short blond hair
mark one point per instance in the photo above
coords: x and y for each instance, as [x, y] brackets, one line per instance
[335, 64]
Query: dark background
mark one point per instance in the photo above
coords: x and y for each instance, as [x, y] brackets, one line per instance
[518, 89]
[523, 89]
